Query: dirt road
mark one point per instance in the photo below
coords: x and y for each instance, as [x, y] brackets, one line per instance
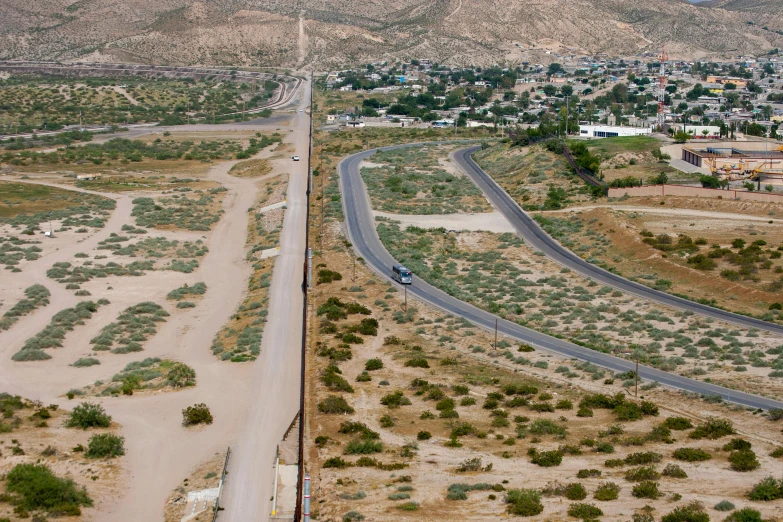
[275, 380]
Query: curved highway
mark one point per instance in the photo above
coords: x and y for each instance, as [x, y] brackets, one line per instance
[360, 227]
[535, 236]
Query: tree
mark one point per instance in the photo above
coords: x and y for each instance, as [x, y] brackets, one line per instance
[554, 68]
[681, 137]
[105, 445]
[660, 179]
[708, 181]
[567, 90]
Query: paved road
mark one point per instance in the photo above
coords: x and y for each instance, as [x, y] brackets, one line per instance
[535, 236]
[360, 226]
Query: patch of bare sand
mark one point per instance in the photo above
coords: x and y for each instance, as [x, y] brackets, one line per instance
[488, 222]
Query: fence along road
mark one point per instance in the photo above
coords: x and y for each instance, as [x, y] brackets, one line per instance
[535, 236]
[360, 226]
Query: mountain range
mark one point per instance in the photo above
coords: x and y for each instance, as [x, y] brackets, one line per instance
[332, 33]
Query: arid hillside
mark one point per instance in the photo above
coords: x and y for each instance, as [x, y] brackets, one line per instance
[326, 33]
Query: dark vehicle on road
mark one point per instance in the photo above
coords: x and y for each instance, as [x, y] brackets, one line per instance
[402, 275]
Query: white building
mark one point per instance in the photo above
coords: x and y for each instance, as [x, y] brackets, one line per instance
[697, 131]
[611, 131]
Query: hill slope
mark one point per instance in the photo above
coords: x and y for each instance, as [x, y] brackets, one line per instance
[270, 32]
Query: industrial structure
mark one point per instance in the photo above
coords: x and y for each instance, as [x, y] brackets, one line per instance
[731, 163]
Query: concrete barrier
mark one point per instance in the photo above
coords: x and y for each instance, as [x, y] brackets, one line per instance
[698, 192]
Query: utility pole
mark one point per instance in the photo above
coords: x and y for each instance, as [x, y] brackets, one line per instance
[636, 377]
[496, 334]
[405, 289]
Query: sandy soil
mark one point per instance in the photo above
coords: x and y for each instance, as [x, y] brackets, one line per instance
[678, 212]
[489, 222]
[160, 452]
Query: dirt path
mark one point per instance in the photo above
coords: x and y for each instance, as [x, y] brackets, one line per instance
[302, 40]
[488, 222]
[674, 212]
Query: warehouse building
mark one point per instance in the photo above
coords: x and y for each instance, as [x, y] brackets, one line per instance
[611, 131]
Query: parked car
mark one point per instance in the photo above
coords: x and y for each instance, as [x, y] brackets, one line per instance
[295, 158]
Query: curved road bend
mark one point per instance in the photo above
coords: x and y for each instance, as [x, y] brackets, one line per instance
[535, 236]
[361, 231]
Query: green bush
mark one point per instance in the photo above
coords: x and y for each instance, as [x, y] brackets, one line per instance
[524, 502]
[86, 362]
[723, 505]
[417, 362]
[408, 506]
[587, 473]
[88, 415]
[352, 427]
[737, 444]
[642, 473]
[714, 428]
[691, 454]
[35, 487]
[678, 423]
[691, 513]
[180, 375]
[743, 460]
[353, 516]
[575, 491]
[196, 414]
[335, 462]
[607, 491]
[646, 489]
[767, 490]
[105, 445]
[373, 364]
[547, 459]
[674, 471]
[423, 435]
[647, 457]
[363, 447]
[584, 511]
[334, 404]
[744, 515]
[395, 400]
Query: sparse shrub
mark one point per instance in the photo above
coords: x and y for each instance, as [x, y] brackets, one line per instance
[744, 515]
[524, 502]
[678, 423]
[423, 435]
[723, 505]
[607, 491]
[646, 489]
[743, 460]
[584, 511]
[373, 364]
[575, 491]
[105, 445]
[587, 473]
[546, 459]
[737, 444]
[37, 488]
[693, 512]
[363, 447]
[88, 415]
[674, 471]
[335, 462]
[180, 375]
[642, 473]
[417, 362]
[86, 362]
[196, 414]
[353, 516]
[648, 457]
[691, 454]
[767, 490]
[395, 400]
[334, 404]
[714, 428]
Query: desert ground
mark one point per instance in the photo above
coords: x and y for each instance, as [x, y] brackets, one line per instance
[221, 208]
